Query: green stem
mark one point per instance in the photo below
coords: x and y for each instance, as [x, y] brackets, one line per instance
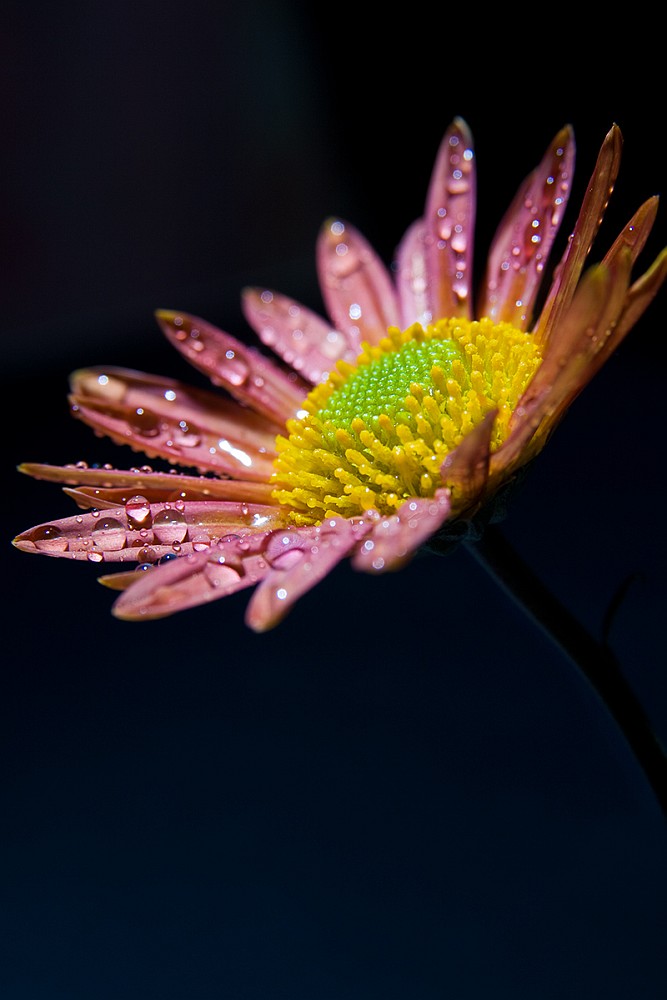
[595, 660]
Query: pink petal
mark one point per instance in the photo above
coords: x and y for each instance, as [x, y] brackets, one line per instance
[106, 487]
[412, 279]
[522, 244]
[299, 558]
[356, 286]
[302, 338]
[143, 532]
[394, 540]
[449, 219]
[196, 579]
[588, 222]
[161, 417]
[242, 371]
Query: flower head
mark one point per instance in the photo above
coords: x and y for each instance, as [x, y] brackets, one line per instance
[400, 419]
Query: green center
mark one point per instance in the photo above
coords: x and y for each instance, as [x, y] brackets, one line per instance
[382, 386]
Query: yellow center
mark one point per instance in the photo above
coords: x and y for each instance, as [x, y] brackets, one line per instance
[377, 432]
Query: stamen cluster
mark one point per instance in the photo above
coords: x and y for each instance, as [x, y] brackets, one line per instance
[377, 432]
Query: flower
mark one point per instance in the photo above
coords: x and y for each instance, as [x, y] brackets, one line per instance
[401, 419]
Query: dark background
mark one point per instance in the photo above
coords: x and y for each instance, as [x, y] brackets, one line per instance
[404, 791]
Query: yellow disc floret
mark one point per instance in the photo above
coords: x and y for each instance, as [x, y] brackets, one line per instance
[377, 432]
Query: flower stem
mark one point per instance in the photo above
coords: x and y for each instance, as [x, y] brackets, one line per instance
[595, 660]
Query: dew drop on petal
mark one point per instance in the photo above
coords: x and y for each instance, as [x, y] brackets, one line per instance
[232, 368]
[138, 512]
[201, 542]
[49, 538]
[169, 526]
[285, 550]
[147, 555]
[144, 422]
[218, 575]
[109, 534]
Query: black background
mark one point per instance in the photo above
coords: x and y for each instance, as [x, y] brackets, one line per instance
[404, 791]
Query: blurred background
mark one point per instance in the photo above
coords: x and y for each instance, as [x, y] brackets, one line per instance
[405, 791]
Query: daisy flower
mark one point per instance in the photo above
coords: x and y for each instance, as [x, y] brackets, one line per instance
[398, 421]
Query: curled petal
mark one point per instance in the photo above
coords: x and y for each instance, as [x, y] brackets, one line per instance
[521, 246]
[639, 297]
[196, 579]
[302, 338]
[570, 361]
[143, 532]
[449, 220]
[637, 231]
[106, 487]
[393, 540]
[242, 371]
[466, 468]
[164, 418]
[412, 279]
[299, 558]
[356, 286]
[588, 222]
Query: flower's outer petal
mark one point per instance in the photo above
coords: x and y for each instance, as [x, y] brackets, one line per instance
[637, 231]
[299, 558]
[449, 218]
[639, 297]
[521, 246]
[466, 468]
[161, 417]
[246, 374]
[299, 336]
[569, 363]
[356, 286]
[106, 487]
[143, 532]
[394, 539]
[412, 277]
[642, 292]
[230, 565]
[588, 222]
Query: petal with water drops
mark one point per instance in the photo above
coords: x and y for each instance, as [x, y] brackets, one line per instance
[299, 336]
[393, 540]
[247, 375]
[299, 559]
[356, 286]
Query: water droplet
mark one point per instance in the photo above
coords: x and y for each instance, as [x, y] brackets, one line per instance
[48, 538]
[286, 549]
[170, 526]
[184, 437]
[232, 369]
[138, 512]
[144, 422]
[333, 344]
[146, 554]
[95, 557]
[218, 575]
[201, 542]
[109, 534]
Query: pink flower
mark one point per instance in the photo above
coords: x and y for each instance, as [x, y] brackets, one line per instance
[399, 418]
